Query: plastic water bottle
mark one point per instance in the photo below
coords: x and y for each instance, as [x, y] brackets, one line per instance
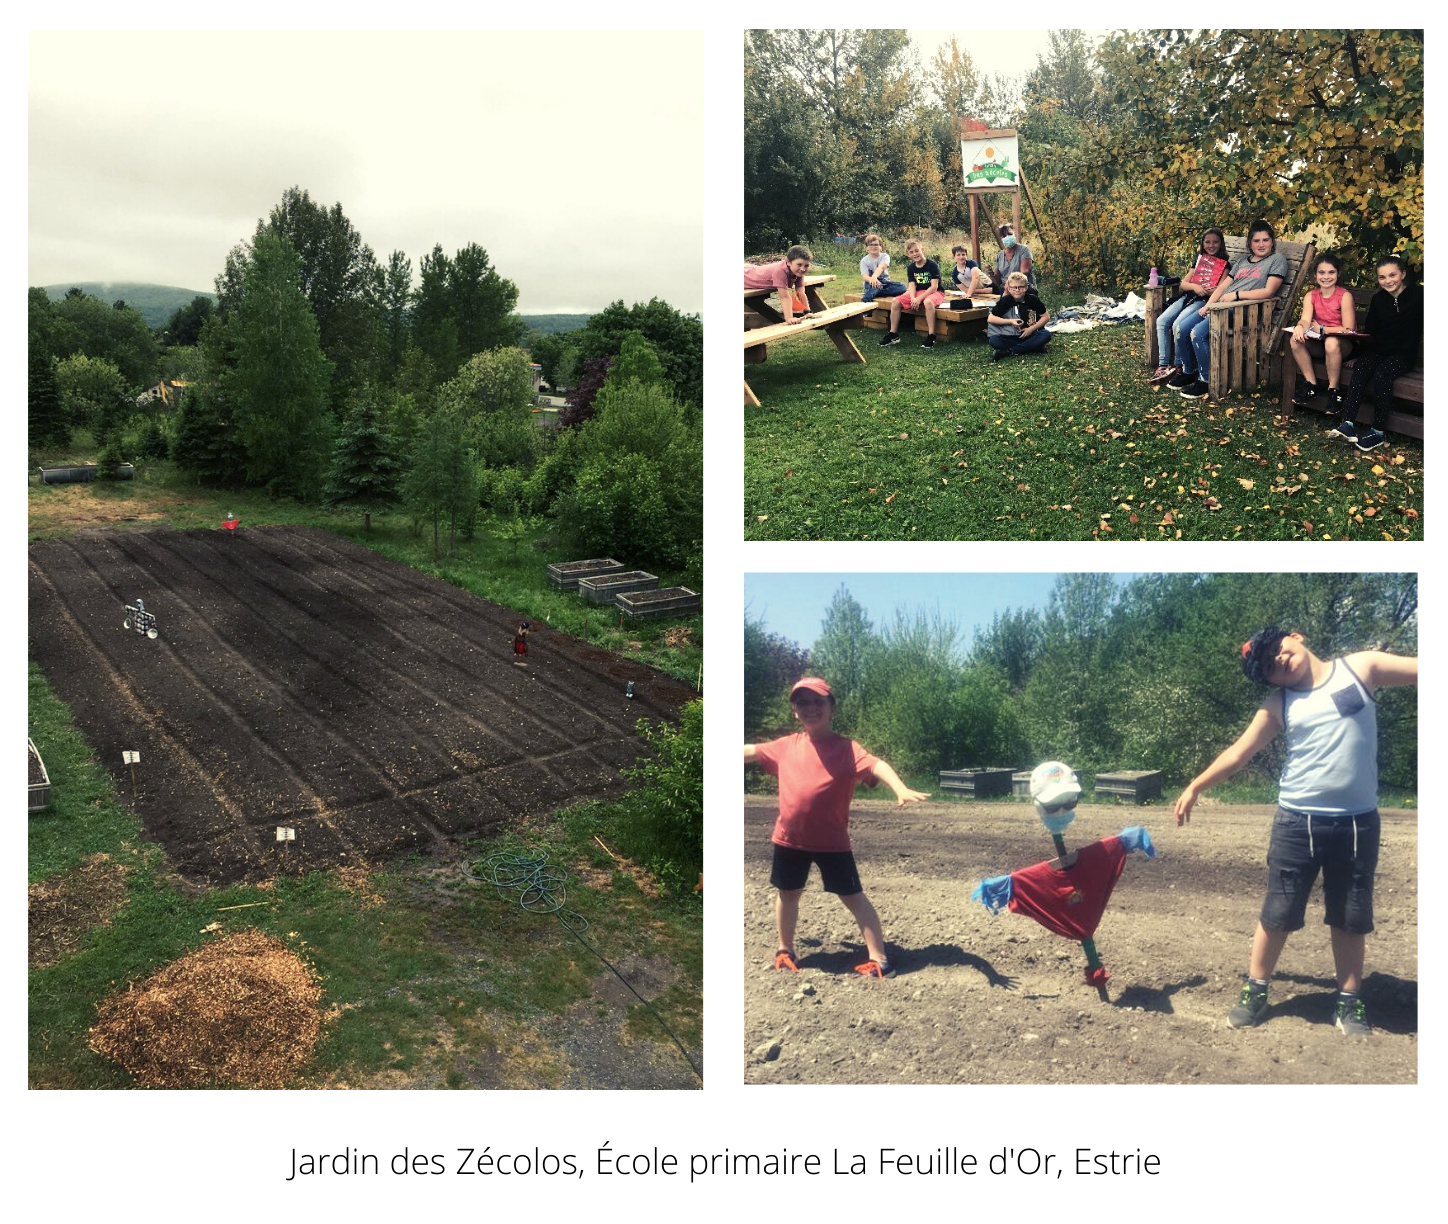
[1153, 280]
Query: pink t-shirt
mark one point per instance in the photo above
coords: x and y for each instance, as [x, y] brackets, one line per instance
[816, 783]
[1328, 312]
[771, 276]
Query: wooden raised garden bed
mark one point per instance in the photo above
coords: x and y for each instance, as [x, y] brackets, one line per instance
[39, 780]
[1138, 785]
[982, 783]
[1021, 784]
[671, 601]
[602, 588]
[79, 473]
[565, 575]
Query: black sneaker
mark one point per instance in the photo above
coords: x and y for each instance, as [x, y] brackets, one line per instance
[1343, 429]
[1180, 379]
[1371, 439]
[890, 338]
[1351, 1018]
[928, 342]
[1250, 1008]
[1306, 392]
[1334, 399]
[1194, 390]
[998, 354]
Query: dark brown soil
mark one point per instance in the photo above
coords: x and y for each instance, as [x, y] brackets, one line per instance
[65, 907]
[998, 999]
[37, 770]
[301, 680]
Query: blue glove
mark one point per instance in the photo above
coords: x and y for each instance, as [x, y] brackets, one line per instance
[1137, 838]
[993, 893]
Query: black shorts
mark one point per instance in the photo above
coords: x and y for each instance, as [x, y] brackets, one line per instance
[837, 870]
[1343, 848]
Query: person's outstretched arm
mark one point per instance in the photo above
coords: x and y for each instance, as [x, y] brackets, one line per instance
[1258, 735]
[1378, 669]
[748, 753]
[903, 794]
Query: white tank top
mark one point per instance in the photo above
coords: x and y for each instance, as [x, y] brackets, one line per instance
[1332, 747]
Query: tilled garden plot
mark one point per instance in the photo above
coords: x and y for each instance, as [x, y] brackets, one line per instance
[301, 680]
[999, 999]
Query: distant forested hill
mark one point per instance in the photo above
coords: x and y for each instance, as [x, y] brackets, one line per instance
[157, 303]
[552, 324]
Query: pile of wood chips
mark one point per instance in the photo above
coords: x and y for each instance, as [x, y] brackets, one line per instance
[241, 1010]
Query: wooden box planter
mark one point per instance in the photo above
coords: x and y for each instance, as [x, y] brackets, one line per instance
[647, 605]
[982, 783]
[39, 780]
[1137, 785]
[565, 575]
[601, 588]
[79, 473]
[1021, 784]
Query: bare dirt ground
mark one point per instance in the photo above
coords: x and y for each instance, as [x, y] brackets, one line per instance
[300, 680]
[999, 999]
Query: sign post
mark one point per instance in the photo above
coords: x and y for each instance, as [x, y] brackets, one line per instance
[990, 164]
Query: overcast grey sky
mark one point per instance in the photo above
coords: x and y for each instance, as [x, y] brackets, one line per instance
[1007, 52]
[574, 158]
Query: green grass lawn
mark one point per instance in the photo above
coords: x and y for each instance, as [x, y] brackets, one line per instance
[1068, 444]
[429, 980]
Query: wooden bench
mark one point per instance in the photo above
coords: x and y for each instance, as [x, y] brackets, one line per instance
[1245, 336]
[759, 313]
[951, 322]
[835, 320]
[1407, 387]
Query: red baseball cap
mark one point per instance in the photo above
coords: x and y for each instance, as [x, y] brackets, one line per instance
[814, 684]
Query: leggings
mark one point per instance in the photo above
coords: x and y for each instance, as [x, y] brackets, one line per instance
[1373, 374]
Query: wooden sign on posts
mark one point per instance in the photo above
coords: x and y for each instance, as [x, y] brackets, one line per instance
[990, 164]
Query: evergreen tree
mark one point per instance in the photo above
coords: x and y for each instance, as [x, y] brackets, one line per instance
[366, 472]
[207, 440]
[442, 480]
[281, 381]
[49, 424]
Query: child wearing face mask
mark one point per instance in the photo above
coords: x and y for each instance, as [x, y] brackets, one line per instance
[1014, 257]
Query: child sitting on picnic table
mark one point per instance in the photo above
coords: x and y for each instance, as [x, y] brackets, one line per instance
[1009, 331]
[966, 276]
[923, 279]
[1178, 364]
[817, 772]
[786, 276]
[875, 268]
[1327, 311]
[1395, 323]
[1258, 275]
[1327, 818]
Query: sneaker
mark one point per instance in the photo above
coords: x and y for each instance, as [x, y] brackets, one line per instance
[1343, 429]
[998, 354]
[1162, 374]
[1351, 1018]
[1180, 379]
[1250, 1008]
[1371, 439]
[1334, 399]
[928, 342]
[1306, 392]
[873, 969]
[784, 959]
[890, 338]
[1194, 390]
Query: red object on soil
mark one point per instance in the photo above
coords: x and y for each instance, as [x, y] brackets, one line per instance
[231, 524]
[308, 681]
[1070, 901]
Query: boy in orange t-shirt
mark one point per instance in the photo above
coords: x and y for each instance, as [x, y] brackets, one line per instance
[817, 772]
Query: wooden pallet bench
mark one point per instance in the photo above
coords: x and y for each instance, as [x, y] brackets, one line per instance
[834, 321]
[951, 322]
[1408, 387]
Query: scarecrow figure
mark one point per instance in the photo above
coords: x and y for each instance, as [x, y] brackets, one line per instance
[520, 643]
[1068, 894]
[139, 619]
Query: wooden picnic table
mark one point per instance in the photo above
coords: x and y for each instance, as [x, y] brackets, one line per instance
[834, 320]
[754, 301]
[955, 318]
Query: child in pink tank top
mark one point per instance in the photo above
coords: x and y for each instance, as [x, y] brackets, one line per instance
[1327, 312]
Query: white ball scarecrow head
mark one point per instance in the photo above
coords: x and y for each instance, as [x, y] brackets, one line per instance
[1055, 791]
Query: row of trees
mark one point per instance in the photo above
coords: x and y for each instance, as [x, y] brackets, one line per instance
[1131, 148]
[1138, 676]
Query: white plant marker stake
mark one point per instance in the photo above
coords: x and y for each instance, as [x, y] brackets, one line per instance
[130, 758]
[285, 834]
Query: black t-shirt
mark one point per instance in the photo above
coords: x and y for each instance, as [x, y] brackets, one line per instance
[1029, 308]
[919, 278]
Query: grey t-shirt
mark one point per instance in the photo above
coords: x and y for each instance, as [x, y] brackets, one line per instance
[871, 262]
[1247, 275]
[1011, 261]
